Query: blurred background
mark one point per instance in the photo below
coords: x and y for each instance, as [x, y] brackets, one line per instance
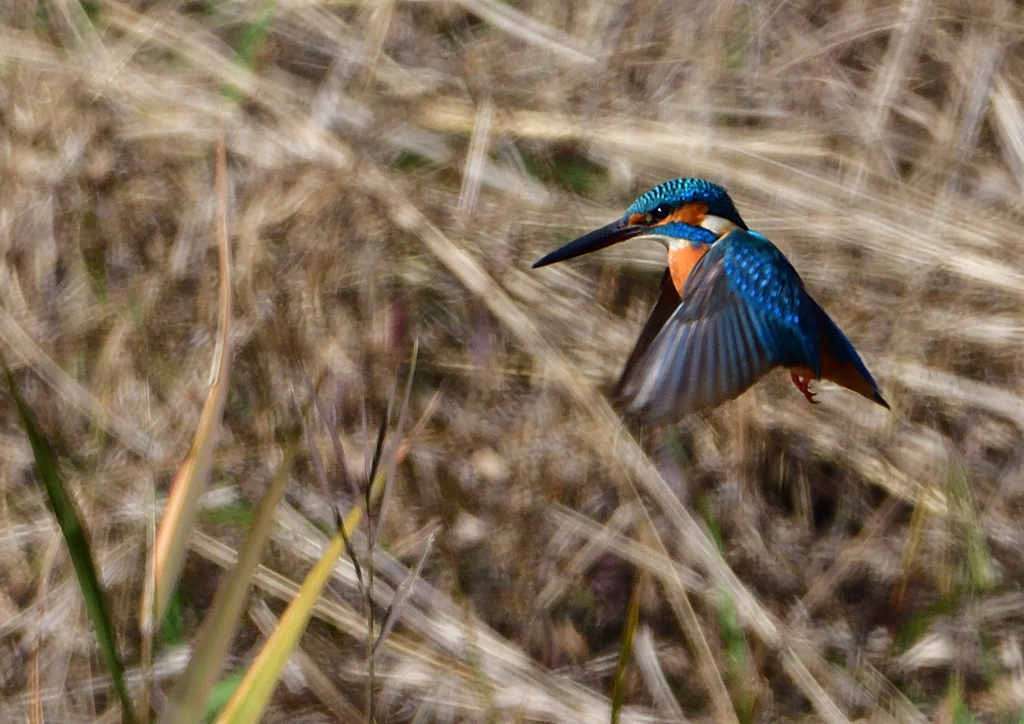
[394, 169]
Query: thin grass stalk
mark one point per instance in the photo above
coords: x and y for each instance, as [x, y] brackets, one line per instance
[183, 501]
[645, 654]
[625, 651]
[371, 543]
[977, 562]
[188, 703]
[35, 713]
[396, 442]
[339, 452]
[253, 693]
[148, 633]
[394, 610]
[321, 474]
[79, 548]
[322, 686]
[373, 526]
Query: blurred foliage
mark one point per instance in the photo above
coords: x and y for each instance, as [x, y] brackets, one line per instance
[879, 145]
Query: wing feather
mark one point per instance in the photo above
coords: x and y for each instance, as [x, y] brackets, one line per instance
[714, 360]
[741, 366]
[727, 359]
[743, 310]
[667, 303]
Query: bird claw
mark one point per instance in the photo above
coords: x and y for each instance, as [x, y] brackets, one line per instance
[803, 381]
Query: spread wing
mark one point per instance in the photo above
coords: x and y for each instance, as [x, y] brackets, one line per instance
[667, 303]
[743, 311]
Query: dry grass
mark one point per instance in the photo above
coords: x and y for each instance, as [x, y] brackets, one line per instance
[395, 168]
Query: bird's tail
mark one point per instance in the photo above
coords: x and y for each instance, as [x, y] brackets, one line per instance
[840, 362]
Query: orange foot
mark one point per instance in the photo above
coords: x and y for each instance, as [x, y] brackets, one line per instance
[802, 380]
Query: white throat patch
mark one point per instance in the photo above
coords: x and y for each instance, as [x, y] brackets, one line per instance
[717, 225]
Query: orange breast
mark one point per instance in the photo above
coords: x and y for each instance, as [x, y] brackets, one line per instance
[681, 262]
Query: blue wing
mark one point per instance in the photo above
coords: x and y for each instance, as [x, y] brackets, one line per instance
[667, 304]
[743, 311]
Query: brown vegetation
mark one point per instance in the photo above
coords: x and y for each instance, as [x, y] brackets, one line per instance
[395, 169]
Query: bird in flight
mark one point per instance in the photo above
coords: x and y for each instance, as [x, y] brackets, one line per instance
[731, 308]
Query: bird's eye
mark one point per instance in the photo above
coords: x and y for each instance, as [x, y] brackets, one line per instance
[660, 212]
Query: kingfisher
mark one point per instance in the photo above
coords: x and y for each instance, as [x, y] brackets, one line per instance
[732, 307]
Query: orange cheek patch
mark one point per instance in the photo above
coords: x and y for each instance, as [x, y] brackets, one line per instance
[681, 262]
[691, 214]
[636, 219]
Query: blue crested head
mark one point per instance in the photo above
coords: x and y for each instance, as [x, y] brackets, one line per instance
[677, 208]
[679, 192]
[691, 209]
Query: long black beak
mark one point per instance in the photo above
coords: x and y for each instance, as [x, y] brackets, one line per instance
[615, 232]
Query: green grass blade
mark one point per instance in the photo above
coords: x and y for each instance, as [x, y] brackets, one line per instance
[977, 561]
[188, 703]
[255, 34]
[221, 694]
[78, 546]
[253, 693]
[250, 43]
[625, 652]
[739, 669]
